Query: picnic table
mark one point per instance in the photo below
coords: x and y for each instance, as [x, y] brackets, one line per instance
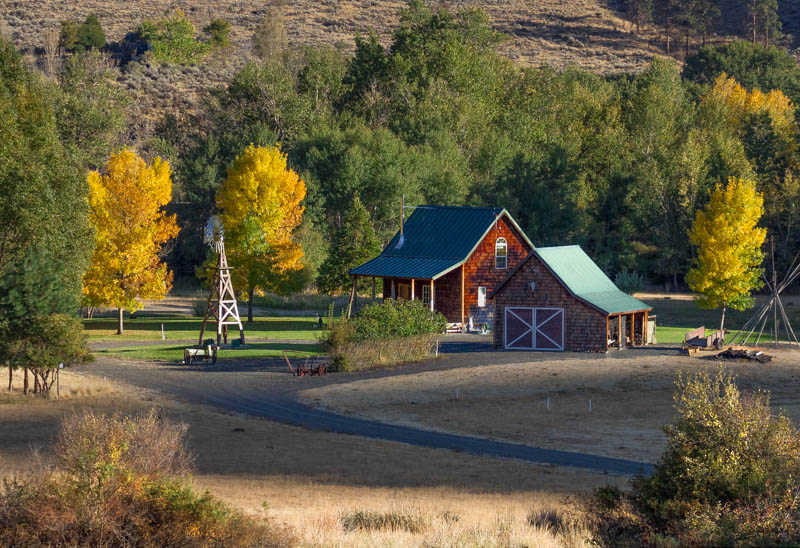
[697, 339]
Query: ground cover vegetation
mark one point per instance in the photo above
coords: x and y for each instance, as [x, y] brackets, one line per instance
[384, 334]
[122, 481]
[727, 477]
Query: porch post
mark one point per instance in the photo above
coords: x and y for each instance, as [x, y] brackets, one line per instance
[620, 334]
[462, 294]
[412, 289]
[432, 295]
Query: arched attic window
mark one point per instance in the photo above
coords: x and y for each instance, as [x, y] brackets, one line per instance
[501, 254]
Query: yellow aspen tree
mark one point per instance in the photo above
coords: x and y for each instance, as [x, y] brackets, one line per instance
[131, 228]
[740, 103]
[728, 240]
[260, 205]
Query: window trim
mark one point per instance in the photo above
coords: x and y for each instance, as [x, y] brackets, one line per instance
[501, 243]
[426, 294]
[482, 293]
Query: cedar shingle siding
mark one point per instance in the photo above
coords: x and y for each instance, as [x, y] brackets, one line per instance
[585, 327]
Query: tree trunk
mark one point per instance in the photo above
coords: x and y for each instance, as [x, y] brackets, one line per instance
[10, 375]
[687, 45]
[753, 4]
[120, 328]
[722, 322]
[25, 383]
[667, 24]
[250, 294]
[35, 383]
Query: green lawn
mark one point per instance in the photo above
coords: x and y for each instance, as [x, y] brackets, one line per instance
[675, 317]
[175, 353]
[184, 328]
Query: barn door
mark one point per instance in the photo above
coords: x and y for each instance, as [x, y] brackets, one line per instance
[519, 328]
[549, 329]
[528, 328]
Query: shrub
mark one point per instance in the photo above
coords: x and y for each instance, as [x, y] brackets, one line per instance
[384, 334]
[629, 282]
[172, 39]
[366, 520]
[79, 38]
[200, 304]
[121, 481]
[728, 476]
[219, 31]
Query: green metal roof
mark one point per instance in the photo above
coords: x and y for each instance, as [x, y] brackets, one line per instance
[406, 267]
[584, 279]
[435, 240]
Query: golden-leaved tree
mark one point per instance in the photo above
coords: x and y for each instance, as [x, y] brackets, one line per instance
[260, 204]
[728, 240]
[131, 229]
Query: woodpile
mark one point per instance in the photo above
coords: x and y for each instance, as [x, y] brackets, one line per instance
[742, 354]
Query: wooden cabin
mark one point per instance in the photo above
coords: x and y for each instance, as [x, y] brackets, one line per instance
[450, 258]
[557, 299]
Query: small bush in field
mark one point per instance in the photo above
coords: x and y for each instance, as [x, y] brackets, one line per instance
[219, 31]
[366, 520]
[384, 334]
[121, 481]
[728, 477]
[629, 282]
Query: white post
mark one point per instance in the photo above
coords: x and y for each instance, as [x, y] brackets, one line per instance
[432, 295]
[412, 289]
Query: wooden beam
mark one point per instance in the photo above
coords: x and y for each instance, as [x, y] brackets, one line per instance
[620, 334]
[645, 327]
[432, 295]
[462, 294]
[607, 332]
[412, 289]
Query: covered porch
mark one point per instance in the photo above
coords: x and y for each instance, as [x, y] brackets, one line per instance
[443, 293]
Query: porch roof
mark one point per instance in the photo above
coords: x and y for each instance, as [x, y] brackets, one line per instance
[421, 268]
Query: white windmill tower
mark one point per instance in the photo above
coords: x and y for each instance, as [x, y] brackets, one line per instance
[222, 300]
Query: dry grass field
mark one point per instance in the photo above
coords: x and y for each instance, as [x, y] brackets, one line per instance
[504, 396]
[312, 480]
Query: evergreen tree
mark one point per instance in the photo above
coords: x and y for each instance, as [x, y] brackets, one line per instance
[762, 19]
[353, 244]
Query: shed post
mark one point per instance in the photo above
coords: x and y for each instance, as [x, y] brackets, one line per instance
[432, 295]
[607, 333]
[620, 334]
[633, 329]
[645, 327]
[412, 289]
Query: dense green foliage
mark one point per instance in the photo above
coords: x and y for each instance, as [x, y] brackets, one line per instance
[618, 165]
[122, 481]
[385, 334]
[353, 244]
[727, 478]
[43, 199]
[82, 37]
[172, 39]
[219, 30]
[397, 319]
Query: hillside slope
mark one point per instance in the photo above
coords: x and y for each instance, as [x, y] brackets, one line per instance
[584, 33]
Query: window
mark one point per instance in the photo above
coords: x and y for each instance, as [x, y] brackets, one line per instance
[481, 297]
[426, 294]
[501, 254]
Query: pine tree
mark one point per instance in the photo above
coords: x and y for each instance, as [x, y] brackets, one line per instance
[353, 244]
[728, 243]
